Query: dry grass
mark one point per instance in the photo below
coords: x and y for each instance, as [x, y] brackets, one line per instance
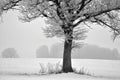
[50, 68]
[83, 71]
[57, 68]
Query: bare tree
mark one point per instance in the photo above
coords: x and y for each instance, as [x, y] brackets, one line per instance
[68, 14]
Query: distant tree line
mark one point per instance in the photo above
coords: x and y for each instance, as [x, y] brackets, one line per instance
[9, 53]
[86, 52]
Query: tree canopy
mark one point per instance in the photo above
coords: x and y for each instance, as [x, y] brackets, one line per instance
[74, 12]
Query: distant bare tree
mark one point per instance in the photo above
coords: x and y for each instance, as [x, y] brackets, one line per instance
[10, 53]
[67, 15]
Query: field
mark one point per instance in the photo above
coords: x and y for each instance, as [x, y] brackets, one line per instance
[29, 69]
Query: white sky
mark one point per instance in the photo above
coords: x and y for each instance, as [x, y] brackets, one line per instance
[27, 37]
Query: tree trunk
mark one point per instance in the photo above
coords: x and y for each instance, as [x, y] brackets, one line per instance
[67, 64]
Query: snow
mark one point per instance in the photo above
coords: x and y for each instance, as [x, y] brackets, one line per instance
[28, 69]
[63, 76]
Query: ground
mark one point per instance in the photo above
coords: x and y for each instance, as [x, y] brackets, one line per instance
[63, 76]
[28, 69]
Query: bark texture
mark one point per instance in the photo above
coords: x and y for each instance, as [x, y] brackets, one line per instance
[67, 64]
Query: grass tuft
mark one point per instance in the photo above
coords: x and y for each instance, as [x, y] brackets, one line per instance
[83, 71]
[50, 68]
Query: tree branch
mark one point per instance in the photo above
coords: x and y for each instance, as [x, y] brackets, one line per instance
[10, 5]
[107, 24]
[83, 4]
[94, 14]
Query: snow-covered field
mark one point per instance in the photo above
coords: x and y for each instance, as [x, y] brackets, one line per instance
[28, 69]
